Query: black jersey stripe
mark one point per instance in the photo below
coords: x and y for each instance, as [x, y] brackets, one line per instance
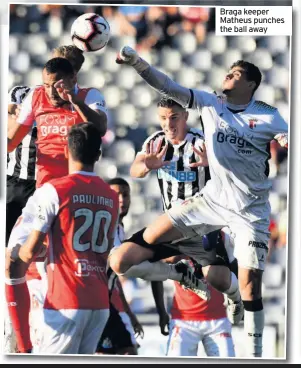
[181, 185]
[168, 157]
[192, 159]
[191, 101]
[267, 165]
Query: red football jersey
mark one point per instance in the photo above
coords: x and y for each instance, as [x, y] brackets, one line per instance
[52, 128]
[79, 213]
[189, 306]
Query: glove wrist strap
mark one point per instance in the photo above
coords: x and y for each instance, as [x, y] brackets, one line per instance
[140, 65]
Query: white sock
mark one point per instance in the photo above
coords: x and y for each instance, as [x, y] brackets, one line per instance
[228, 243]
[253, 327]
[158, 271]
[233, 291]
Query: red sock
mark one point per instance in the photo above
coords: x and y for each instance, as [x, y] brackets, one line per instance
[18, 301]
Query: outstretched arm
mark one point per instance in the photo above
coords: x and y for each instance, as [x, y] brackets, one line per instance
[156, 79]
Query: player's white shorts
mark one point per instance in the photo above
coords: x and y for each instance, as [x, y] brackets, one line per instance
[249, 229]
[70, 331]
[128, 325]
[186, 335]
[23, 225]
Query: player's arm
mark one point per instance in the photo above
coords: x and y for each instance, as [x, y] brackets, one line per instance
[135, 323]
[150, 158]
[92, 109]
[280, 129]
[188, 98]
[47, 204]
[19, 126]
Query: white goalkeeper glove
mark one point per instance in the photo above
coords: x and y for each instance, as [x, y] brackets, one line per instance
[127, 55]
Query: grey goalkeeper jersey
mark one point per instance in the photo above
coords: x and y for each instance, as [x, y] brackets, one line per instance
[237, 142]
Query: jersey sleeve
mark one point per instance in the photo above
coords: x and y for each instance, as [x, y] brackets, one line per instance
[280, 129]
[145, 144]
[96, 101]
[17, 94]
[26, 115]
[201, 98]
[47, 205]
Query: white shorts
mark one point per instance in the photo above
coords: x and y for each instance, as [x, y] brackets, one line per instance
[215, 335]
[128, 325]
[249, 229]
[70, 331]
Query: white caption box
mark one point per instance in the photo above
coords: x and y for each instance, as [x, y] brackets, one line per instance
[253, 20]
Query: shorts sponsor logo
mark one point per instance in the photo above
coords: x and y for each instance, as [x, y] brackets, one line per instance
[258, 245]
[257, 335]
[13, 303]
[84, 268]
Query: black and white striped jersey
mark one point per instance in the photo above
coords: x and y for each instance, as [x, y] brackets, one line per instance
[177, 180]
[21, 162]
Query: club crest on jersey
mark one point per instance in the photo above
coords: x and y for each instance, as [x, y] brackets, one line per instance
[252, 123]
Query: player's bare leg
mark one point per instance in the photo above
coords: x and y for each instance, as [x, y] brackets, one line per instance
[250, 282]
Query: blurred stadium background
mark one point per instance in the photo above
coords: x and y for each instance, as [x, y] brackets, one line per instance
[181, 42]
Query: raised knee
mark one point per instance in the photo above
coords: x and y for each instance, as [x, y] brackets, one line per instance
[149, 236]
[117, 263]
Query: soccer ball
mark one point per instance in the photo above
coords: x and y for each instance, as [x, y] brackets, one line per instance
[90, 32]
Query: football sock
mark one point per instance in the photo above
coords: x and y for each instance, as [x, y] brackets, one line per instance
[253, 326]
[158, 271]
[18, 302]
[233, 291]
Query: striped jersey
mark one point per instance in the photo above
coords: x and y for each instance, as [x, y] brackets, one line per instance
[177, 180]
[21, 162]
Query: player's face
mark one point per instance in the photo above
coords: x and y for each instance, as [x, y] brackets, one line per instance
[49, 80]
[124, 194]
[236, 82]
[173, 121]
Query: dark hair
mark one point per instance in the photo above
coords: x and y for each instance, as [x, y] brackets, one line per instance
[59, 65]
[118, 181]
[168, 103]
[252, 72]
[84, 143]
[73, 54]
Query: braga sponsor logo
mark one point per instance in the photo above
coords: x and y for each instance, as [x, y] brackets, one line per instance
[55, 124]
[85, 267]
[243, 146]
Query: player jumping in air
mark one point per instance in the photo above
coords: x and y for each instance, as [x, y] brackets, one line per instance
[238, 131]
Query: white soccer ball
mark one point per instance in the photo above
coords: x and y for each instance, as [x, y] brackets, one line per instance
[90, 32]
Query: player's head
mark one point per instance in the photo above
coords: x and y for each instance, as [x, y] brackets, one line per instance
[123, 189]
[71, 53]
[84, 145]
[54, 70]
[173, 119]
[243, 78]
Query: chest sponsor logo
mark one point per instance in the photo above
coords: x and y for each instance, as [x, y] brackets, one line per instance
[170, 173]
[56, 124]
[230, 135]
